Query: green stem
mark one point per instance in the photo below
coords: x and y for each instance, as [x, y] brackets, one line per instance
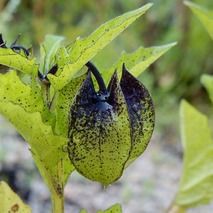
[57, 202]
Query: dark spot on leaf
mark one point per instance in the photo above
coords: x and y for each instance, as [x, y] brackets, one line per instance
[15, 208]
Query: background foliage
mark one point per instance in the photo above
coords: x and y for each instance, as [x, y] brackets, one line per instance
[175, 76]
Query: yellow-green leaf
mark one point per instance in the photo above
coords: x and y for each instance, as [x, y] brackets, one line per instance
[196, 186]
[116, 208]
[46, 147]
[204, 15]
[85, 49]
[138, 60]
[83, 211]
[13, 90]
[10, 201]
[17, 61]
[207, 81]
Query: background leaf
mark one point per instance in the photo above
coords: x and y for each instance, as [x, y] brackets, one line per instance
[196, 186]
[207, 81]
[85, 49]
[204, 15]
[116, 208]
[48, 51]
[7, 14]
[10, 202]
[83, 211]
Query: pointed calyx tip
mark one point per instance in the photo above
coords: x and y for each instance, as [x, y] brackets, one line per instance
[123, 66]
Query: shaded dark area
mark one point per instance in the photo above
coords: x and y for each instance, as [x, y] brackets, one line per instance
[11, 174]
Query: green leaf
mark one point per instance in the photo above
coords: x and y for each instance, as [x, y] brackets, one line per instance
[138, 60]
[29, 97]
[17, 61]
[85, 49]
[10, 202]
[46, 147]
[207, 81]
[48, 50]
[13, 90]
[7, 14]
[23, 106]
[62, 57]
[83, 211]
[204, 15]
[196, 186]
[116, 208]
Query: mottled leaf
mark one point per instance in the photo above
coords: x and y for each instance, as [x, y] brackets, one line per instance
[47, 148]
[27, 96]
[62, 57]
[17, 61]
[85, 49]
[10, 202]
[141, 113]
[207, 81]
[196, 186]
[99, 134]
[204, 15]
[13, 90]
[138, 60]
[23, 106]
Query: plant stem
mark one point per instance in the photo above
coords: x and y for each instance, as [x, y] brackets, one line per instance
[98, 76]
[57, 202]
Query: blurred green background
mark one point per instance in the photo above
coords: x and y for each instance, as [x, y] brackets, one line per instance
[174, 76]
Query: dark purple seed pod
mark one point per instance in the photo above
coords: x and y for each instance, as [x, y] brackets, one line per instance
[109, 128]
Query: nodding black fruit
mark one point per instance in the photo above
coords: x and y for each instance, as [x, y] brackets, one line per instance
[109, 128]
